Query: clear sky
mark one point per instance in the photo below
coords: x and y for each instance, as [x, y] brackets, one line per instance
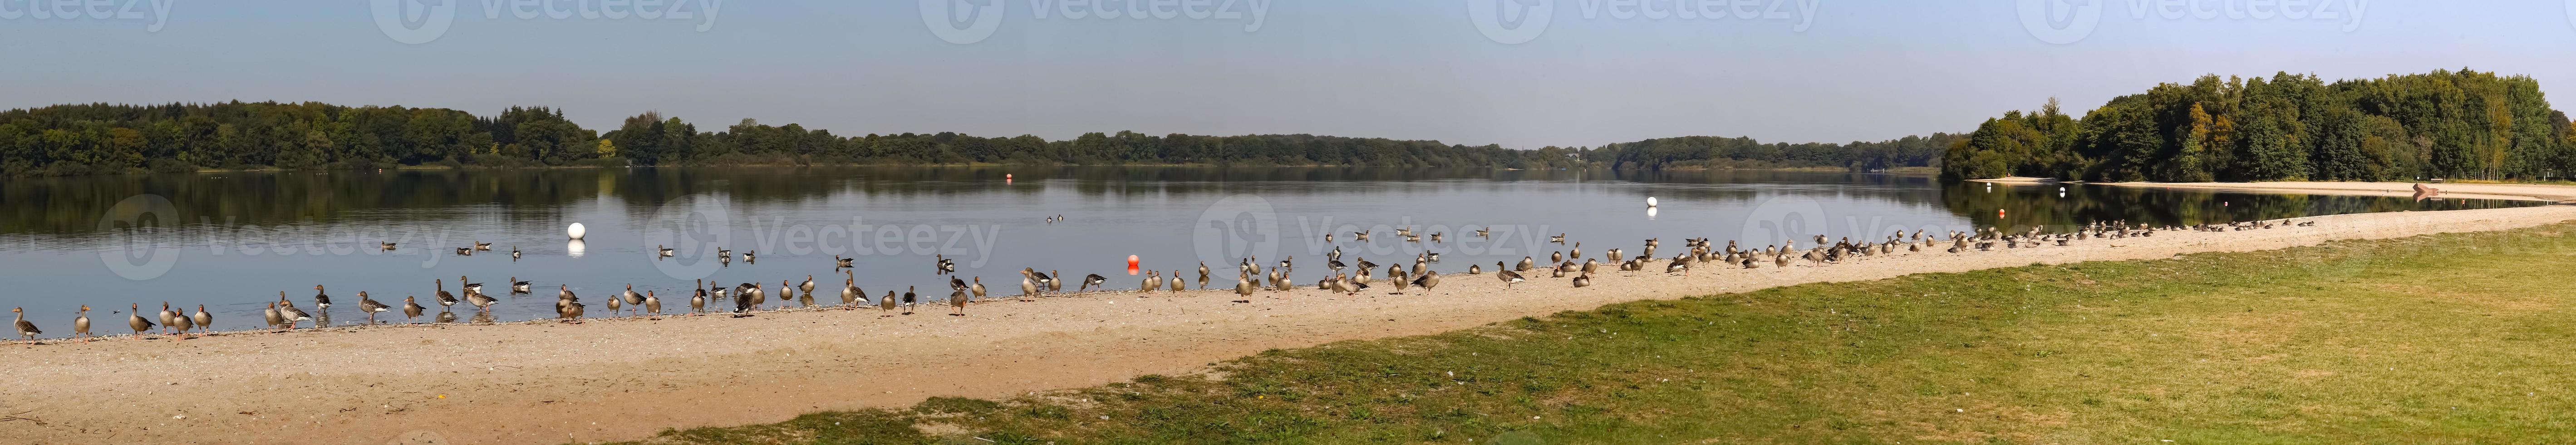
[1591, 72]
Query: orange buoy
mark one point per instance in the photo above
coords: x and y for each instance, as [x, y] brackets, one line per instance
[1131, 264]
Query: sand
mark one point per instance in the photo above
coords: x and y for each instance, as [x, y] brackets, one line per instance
[2518, 192]
[542, 382]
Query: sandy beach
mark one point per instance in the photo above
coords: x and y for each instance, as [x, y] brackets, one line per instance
[2518, 192]
[628, 378]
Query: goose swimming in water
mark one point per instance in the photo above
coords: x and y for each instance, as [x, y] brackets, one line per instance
[385, 246]
[514, 253]
[479, 245]
[663, 251]
[517, 286]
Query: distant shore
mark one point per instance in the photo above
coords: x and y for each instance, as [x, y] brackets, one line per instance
[2513, 192]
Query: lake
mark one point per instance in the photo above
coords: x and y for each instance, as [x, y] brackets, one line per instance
[233, 241]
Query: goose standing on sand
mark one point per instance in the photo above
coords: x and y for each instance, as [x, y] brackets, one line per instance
[370, 306]
[1054, 285]
[806, 288]
[1426, 281]
[286, 310]
[1508, 277]
[1525, 264]
[753, 292]
[165, 316]
[616, 303]
[205, 321]
[1679, 265]
[411, 309]
[183, 323]
[1473, 269]
[742, 304]
[1092, 280]
[850, 291]
[134, 317]
[26, 329]
[1176, 282]
[444, 299]
[80, 326]
[957, 302]
[567, 306]
[1153, 280]
[652, 303]
[1396, 275]
[786, 295]
[1584, 280]
[270, 315]
[698, 299]
[1243, 285]
[978, 289]
[910, 299]
[1028, 288]
[885, 304]
[481, 301]
[321, 300]
[637, 300]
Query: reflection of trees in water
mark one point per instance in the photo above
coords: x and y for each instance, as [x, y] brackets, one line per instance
[2027, 205]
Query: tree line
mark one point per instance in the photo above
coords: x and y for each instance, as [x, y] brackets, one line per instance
[78, 139]
[2443, 124]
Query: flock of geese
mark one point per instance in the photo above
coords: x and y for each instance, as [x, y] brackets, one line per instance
[1251, 277]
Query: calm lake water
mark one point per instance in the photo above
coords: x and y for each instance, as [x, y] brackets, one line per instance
[233, 241]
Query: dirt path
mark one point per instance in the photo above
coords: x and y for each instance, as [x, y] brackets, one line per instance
[629, 378]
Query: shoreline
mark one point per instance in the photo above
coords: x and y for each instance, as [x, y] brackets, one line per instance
[627, 378]
[2510, 192]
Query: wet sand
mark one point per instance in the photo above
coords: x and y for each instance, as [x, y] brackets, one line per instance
[628, 378]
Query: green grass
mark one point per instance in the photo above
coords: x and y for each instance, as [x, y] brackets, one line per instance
[2458, 338]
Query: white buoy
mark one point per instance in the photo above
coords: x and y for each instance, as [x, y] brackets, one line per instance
[576, 231]
[575, 247]
[1650, 201]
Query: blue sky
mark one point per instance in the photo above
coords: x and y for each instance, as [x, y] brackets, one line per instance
[1411, 69]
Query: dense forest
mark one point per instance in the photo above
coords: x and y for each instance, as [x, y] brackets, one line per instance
[2443, 124]
[108, 139]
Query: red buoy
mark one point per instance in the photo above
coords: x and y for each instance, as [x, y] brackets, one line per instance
[1131, 264]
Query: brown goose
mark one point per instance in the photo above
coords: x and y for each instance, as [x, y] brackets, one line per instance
[1426, 281]
[1584, 280]
[850, 291]
[978, 289]
[370, 306]
[786, 295]
[134, 318]
[205, 321]
[26, 329]
[1243, 284]
[637, 300]
[1176, 282]
[445, 299]
[411, 308]
[615, 302]
[1509, 277]
[957, 302]
[698, 301]
[321, 300]
[567, 307]
[286, 310]
[885, 304]
[271, 316]
[166, 315]
[1203, 272]
[806, 288]
[80, 326]
[652, 304]
[480, 300]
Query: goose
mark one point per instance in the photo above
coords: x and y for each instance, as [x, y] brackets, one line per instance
[1283, 262]
[468, 286]
[1525, 265]
[748, 255]
[480, 245]
[637, 300]
[1328, 238]
[1092, 280]
[1478, 270]
[26, 329]
[568, 307]
[1176, 282]
[652, 303]
[370, 306]
[957, 303]
[1780, 260]
[321, 300]
[1334, 264]
[786, 295]
[910, 299]
[467, 251]
[1433, 256]
[1558, 238]
[664, 251]
[80, 326]
[1577, 251]
[517, 286]
[205, 321]
[850, 291]
[1435, 237]
[1336, 254]
[514, 253]
[134, 317]
[1584, 280]
[698, 299]
[742, 304]
[1153, 280]
[1055, 285]
[411, 309]
[285, 310]
[1508, 277]
[752, 292]
[1678, 265]
[1243, 285]
[384, 246]
[481, 301]
[885, 304]
[166, 315]
[182, 323]
[564, 292]
[1203, 272]
[955, 283]
[445, 299]
[1280, 282]
[1589, 266]
[1426, 281]
[838, 261]
[270, 315]
[1029, 288]
[1395, 275]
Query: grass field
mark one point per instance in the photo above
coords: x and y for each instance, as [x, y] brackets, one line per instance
[2460, 338]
